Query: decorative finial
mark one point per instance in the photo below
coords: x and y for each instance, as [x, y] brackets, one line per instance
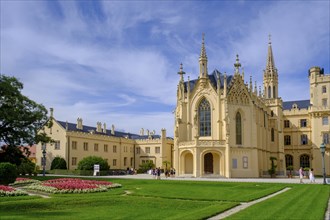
[237, 64]
[203, 51]
[181, 72]
[270, 39]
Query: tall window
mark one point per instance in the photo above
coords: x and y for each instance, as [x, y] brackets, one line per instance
[288, 160]
[325, 102]
[325, 138]
[114, 162]
[114, 149]
[287, 140]
[148, 150]
[132, 161]
[125, 161]
[286, 123]
[238, 128]
[245, 162]
[304, 161]
[303, 139]
[272, 135]
[303, 123]
[274, 92]
[96, 147]
[157, 150]
[269, 92]
[105, 148]
[74, 145]
[204, 111]
[85, 146]
[324, 89]
[138, 149]
[74, 161]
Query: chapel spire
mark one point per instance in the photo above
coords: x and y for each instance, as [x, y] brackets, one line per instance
[270, 75]
[203, 60]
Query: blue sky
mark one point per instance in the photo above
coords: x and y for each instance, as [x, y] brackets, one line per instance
[117, 61]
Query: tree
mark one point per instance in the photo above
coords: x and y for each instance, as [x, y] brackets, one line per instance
[167, 164]
[58, 163]
[146, 166]
[21, 120]
[87, 163]
[8, 173]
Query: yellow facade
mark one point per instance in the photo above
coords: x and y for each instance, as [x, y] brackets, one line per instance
[226, 128]
[122, 150]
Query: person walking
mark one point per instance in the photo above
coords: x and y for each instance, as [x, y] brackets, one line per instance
[301, 175]
[311, 176]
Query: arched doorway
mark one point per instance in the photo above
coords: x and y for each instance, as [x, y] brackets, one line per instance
[208, 163]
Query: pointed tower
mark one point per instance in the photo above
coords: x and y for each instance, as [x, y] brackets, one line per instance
[270, 75]
[203, 61]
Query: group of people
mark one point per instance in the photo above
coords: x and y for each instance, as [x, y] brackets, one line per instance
[156, 172]
[311, 175]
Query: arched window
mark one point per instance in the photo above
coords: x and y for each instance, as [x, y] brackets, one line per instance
[238, 128]
[274, 92]
[288, 160]
[204, 112]
[272, 135]
[304, 161]
[269, 92]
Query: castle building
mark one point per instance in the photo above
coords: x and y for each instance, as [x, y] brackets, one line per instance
[122, 150]
[225, 127]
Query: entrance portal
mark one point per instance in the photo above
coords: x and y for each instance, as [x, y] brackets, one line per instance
[208, 163]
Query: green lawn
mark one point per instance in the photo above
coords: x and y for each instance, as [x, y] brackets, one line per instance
[154, 199]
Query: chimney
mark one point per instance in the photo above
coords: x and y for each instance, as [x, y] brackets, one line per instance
[113, 130]
[163, 133]
[104, 128]
[98, 127]
[79, 124]
[148, 132]
[142, 131]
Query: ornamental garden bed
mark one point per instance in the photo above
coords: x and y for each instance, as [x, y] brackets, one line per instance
[56, 186]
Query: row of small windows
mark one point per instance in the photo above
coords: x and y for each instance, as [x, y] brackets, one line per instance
[147, 150]
[245, 163]
[303, 122]
[303, 139]
[304, 160]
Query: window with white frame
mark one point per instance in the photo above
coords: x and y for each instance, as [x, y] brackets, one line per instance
[303, 123]
[325, 120]
[324, 89]
[114, 149]
[204, 113]
[85, 146]
[245, 162]
[303, 139]
[57, 145]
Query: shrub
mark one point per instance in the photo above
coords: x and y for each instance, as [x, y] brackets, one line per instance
[26, 167]
[58, 163]
[8, 173]
[146, 166]
[88, 163]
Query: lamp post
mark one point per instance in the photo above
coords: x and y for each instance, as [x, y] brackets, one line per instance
[43, 159]
[322, 149]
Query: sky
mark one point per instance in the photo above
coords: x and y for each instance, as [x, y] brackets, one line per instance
[116, 62]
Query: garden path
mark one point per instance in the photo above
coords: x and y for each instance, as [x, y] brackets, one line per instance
[245, 205]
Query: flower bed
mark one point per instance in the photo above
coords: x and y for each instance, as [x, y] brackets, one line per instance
[70, 185]
[23, 181]
[10, 191]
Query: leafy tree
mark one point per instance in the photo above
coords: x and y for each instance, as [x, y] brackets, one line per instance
[8, 173]
[146, 166]
[21, 120]
[58, 163]
[26, 167]
[87, 163]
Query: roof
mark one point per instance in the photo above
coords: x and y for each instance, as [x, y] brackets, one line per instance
[301, 104]
[88, 129]
[213, 79]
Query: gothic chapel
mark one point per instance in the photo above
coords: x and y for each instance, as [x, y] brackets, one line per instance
[226, 128]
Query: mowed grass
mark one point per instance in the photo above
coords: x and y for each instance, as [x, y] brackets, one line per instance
[154, 199]
[304, 201]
